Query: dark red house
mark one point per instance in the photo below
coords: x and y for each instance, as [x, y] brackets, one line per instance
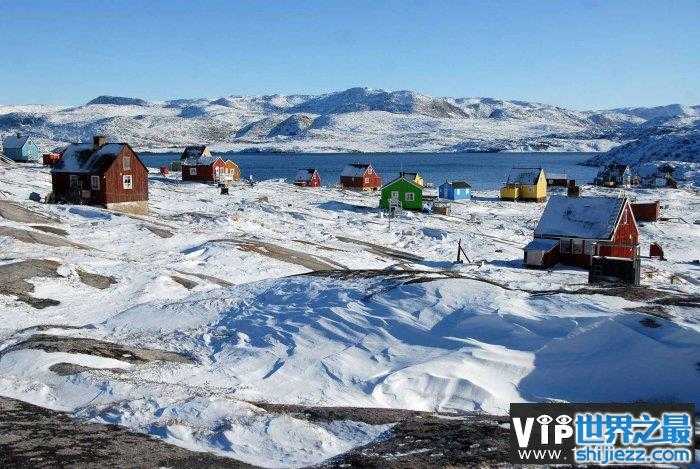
[308, 177]
[100, 173]
[360, 176]
[574, 229]
[198, 164]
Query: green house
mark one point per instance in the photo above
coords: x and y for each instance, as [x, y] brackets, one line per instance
[408, 194]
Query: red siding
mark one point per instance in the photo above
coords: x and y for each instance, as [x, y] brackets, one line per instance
[648, 211]
[112, 182]
[370, 180]
[205, 173]
[315, 181]
[625, 238]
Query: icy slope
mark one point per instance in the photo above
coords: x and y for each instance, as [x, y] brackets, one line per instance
[451, 344]
[357, 119]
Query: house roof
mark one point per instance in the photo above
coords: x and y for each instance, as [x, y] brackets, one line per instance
[83, 158]
[556, 176]
[539, 244]
[400, 178]
[197, 155]
[458, 184]
[305, 174]
[355, 169]
[580, 217]
[15, 141]
[527, 176]
[409, 174]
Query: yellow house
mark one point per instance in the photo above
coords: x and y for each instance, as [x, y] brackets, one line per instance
[413, 177]
[525, 184]
[232, 171]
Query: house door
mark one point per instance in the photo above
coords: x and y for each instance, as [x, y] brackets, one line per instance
[534, 257]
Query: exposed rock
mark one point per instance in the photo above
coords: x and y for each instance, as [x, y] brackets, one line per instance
[99, 348]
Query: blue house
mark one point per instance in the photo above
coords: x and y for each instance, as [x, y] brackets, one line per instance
[455, 190]
[20, 148]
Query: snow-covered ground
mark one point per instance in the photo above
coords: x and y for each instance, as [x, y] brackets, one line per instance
[357, 119]
[217, 278]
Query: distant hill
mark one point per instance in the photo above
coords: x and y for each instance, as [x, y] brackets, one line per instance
[356, 119]
[118, 101]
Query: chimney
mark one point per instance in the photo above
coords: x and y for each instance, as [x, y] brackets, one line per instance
[98, 141]
[19, 134]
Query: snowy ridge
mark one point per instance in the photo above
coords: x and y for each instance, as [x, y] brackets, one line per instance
[357, 119]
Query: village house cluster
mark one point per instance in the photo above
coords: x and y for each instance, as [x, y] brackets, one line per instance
[596, 233]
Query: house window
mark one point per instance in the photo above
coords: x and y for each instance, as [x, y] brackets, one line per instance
[193, 171]
[565, 246]
[410, 196]
[95, 183]
[127, 162]
[576, 246]
[366, 180]
[395, 195]
[73, 180]
[128, 181]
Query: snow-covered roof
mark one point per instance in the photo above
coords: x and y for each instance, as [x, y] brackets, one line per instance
[15, 141]
[201, 161]
[197, 155]
[410, 181]
[305, 174]
[194, 151]
[539, 244]
[527, 176]
[355, 170]
[556, 176]
[458, 184]
[83, 158]
[580, 217]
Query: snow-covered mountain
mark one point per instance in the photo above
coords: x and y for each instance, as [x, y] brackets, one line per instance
[357, 119]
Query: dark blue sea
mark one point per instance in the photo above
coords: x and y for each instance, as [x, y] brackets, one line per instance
[482, 170]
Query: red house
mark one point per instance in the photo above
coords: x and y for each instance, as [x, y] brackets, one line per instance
[198, 164]
[100, 173]
[574, 229]
[360, 176]
[308, 178]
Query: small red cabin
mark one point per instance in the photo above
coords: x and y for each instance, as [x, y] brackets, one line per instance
[360, 176]
[574, 229]
[198, 164]
[101, 173]
[308, 178]
[50, 159]
[646, 211]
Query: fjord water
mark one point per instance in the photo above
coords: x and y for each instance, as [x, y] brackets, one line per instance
[483, 171]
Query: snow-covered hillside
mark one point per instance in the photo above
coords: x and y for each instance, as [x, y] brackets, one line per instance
[357, 119]
[676, 142]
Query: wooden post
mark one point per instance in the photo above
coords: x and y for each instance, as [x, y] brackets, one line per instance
[459, 251]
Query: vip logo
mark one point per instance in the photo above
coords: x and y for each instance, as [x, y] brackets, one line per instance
[562, 429]
[558, 433]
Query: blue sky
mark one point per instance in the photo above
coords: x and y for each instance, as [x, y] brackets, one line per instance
[584, 54]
